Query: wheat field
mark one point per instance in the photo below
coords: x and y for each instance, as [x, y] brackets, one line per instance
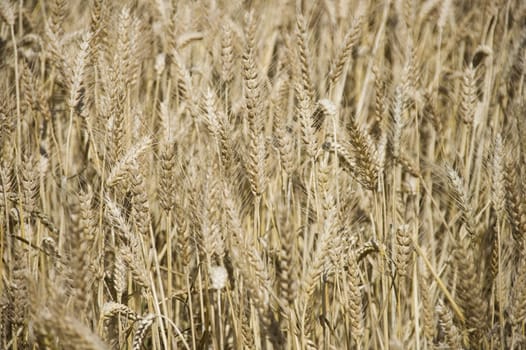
[325, 174]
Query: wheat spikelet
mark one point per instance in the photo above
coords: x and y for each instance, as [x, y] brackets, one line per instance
[183, 79]
[97, 14]
[77, 79]
[256, 163]
[137, 267]
[286, 273]
[461, 199]
[186, 39]
[227, 54]
[28, 183]
[304, 57]
[428, 309]
[398, 113]
[140, 332]
[122, 168]
[381, 106]
[355, 300]
[211, 239]
[498, 192]
[7, 13]
[8, 125]
[58, 57]
[282, 131]
[366, 156]
[250, 264]
[168, 154]
[452, 334]
[131, 250]
[58, 14]
[470, 296]
[347, 160]
[516, 63]
[319, 263]
[305, 111]
[211, 115]
[518, 298]
[112, 309]
[82, 251]
[344, 55]
[126, 50]
[53, 322]
[324, 184]
[117, 120]
[140, 208]
[247, 259]
[469, 95]
[286, 148]
[15, 296]
[403, 250]
[444, 13]
[514, 205]
[119, 273]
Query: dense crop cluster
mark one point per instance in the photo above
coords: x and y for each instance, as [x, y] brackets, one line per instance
[326, 174]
